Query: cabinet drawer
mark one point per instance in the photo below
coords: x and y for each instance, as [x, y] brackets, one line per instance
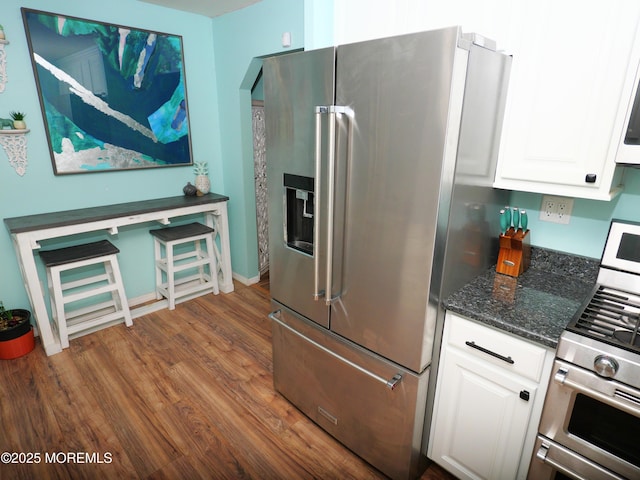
[484, 342]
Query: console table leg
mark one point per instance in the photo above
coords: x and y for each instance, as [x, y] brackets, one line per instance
[220, 221]
[29, 272]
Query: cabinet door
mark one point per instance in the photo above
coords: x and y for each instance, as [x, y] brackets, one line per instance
[567, 97]
[480, 419]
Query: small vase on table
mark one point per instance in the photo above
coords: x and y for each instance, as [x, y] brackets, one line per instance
[202, 183]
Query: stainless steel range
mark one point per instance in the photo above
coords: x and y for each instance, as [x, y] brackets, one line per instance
[590, 425]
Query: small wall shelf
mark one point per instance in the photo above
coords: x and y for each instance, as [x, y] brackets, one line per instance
[14, 143]
[3, 65]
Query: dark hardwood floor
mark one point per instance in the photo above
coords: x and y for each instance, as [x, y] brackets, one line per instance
[186, 394]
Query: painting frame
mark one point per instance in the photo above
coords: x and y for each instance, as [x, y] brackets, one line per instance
[112, 97]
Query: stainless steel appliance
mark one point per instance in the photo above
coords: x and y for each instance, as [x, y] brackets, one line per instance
[629, 147]
[380, 157]
[590, 425]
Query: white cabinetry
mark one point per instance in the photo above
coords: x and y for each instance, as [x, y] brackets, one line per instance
[571, 80]
[489, 397]
[568, 94]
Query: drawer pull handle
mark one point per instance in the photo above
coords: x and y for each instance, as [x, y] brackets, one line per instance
[489, 352]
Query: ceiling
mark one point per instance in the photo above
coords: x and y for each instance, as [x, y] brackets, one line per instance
[208, 8]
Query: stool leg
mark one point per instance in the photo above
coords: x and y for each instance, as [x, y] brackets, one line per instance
[213, 264]
[119, 296]
[57, 304]
[200, 255]
[157, 247]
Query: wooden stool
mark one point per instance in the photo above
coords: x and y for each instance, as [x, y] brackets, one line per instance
[195, 279]
[106, 286]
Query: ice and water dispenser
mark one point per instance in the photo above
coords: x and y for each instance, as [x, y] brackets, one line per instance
[299, 205]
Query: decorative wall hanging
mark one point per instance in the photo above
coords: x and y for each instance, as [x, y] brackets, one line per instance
[14, 143]
[3, 64]
[112, 97]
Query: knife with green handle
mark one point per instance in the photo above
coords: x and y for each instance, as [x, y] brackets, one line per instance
[503, 221]
[516, 218]
[507, 214]
[524, 221]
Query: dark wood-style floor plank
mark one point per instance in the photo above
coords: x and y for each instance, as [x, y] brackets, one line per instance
[182, 394]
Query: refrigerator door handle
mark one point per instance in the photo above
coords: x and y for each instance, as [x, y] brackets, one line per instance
[333, 111]
[331, 183]
[317, 293]
[391, 383]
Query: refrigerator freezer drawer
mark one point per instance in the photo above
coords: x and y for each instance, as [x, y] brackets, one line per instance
[351, 393]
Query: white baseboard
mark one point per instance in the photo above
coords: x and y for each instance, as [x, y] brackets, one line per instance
[147, 297]
[245, 280]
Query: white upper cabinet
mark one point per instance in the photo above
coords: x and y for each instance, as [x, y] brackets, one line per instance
[571, 83]
[574, 62]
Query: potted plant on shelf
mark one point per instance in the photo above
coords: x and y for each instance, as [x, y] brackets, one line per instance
[18, 120]
[16, 333]
[201, 169]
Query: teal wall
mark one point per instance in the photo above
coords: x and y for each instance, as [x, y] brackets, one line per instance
[240, 38]
[40, 191]
[589, 223]
[318, 24]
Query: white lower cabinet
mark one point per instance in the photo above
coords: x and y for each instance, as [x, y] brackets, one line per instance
[489, 396]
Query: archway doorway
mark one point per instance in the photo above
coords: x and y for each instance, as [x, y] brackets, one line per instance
[260, 176]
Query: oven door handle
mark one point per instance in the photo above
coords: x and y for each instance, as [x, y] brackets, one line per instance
[561, 459]
[621, 400]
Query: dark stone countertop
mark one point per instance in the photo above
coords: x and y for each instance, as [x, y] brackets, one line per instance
[538, 304]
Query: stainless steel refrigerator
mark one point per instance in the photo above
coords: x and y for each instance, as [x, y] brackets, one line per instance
[380, 159]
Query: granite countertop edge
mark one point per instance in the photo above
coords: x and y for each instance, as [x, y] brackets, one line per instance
[547, 338]
[538, 304]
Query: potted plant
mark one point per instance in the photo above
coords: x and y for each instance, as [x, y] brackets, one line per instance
[201, 169]
[18, 120]
[2, 37]
[16, 333]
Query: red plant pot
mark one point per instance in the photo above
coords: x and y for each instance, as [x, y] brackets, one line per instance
[18, 340]
[17, 347]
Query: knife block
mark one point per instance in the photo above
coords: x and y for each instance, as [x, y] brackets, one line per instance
[515, 253]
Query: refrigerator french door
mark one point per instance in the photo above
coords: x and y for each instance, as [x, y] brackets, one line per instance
[362, 142]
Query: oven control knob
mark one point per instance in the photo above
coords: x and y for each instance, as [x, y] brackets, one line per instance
[605, 366]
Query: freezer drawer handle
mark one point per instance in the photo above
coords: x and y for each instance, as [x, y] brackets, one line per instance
[394, 381]
[489, 352]
[391, 383]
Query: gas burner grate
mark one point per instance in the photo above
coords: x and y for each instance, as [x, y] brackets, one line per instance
[612, 315]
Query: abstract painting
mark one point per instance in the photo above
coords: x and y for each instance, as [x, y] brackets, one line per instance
[112, 97]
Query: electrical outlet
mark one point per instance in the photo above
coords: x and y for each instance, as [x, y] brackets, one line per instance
[556, 209]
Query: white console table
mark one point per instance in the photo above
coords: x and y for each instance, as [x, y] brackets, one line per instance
[27, 231]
